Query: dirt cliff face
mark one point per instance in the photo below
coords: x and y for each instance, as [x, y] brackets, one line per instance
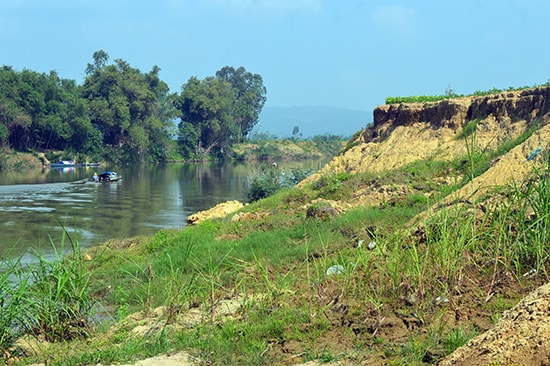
[404, 133]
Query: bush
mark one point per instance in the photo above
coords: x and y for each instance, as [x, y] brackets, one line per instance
[264, 184]
[271, 179]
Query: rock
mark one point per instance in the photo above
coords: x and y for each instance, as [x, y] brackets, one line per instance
[218, 211]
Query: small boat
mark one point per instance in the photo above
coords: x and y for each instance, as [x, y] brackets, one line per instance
[63, 163]
[71, 163]
[109, 177]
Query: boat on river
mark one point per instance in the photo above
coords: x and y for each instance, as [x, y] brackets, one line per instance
[71, 163]
[104, 177]
[109, 177]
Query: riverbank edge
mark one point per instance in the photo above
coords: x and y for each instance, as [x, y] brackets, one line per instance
[265, 150]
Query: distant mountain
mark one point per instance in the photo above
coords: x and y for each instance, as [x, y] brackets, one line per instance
[311, 121]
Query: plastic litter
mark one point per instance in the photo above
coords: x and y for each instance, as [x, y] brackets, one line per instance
[530, 273]
[371, 245]
[336, 269]
[534, 154]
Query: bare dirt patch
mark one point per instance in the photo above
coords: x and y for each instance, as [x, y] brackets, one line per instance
[521, 336]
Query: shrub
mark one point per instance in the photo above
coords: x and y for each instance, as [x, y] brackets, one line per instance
[271, 179]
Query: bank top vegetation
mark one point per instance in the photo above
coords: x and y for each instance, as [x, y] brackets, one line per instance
[450, 93]
[121, 114]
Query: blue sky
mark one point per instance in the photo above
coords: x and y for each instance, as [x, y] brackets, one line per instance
[338, 53]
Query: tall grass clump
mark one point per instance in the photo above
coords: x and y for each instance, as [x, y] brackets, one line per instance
[528, 221]
[15, 305]
[46, 297]
[62, 305]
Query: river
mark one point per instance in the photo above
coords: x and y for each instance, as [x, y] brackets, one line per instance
[36, 206]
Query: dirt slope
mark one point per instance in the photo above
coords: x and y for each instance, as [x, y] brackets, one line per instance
[404, 133]
[520, 337]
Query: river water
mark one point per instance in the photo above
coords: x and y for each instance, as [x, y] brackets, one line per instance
[36, 206]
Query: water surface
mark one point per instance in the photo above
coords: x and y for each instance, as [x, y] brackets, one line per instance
[36, 205]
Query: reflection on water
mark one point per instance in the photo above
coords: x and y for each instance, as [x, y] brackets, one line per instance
[35, 206]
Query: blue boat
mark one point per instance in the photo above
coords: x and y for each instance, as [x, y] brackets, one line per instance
[71, 163]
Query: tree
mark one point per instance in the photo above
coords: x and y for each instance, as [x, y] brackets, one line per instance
[188, 139]
[221, 110]
[38, 110]
[133, 111]
[206, 105]
[249, 96]
[100, 60]
[296, 132]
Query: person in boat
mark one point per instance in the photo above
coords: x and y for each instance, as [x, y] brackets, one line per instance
[96, 177]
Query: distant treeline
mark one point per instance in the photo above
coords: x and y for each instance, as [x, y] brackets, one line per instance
[121, 114]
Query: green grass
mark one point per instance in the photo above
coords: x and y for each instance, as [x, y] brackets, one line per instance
[450, 94]
[47, 297]
[425, 261]
[15, 307]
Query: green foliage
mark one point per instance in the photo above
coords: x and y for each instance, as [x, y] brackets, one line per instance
[42, 111]
[264, 184]
[418, 99]
[457, 337]
[118, 106]
[331, 183]
[15, 305]
[450, 94]
[219, 110]
[262, 136]
[131, 110]
[276, 265]
[46, 297]
[270, 179]
[468, 129]
[62, 304]
[248, 98]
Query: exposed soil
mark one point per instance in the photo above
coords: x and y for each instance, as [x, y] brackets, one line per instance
[521, 336]
[400, 136]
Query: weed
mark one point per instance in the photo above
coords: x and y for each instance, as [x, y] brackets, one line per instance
[456, 255]
[62, 304]
[15, 306]
[468, 129]
[457, 337]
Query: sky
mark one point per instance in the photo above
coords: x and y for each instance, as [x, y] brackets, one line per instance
[338, 53]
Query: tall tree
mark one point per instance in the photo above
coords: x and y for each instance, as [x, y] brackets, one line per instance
[206, 105]
[132, 110]
[220, 109]
[38, 111]
[249, 96]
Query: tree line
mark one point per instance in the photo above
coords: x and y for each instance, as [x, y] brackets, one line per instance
[121, 114]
